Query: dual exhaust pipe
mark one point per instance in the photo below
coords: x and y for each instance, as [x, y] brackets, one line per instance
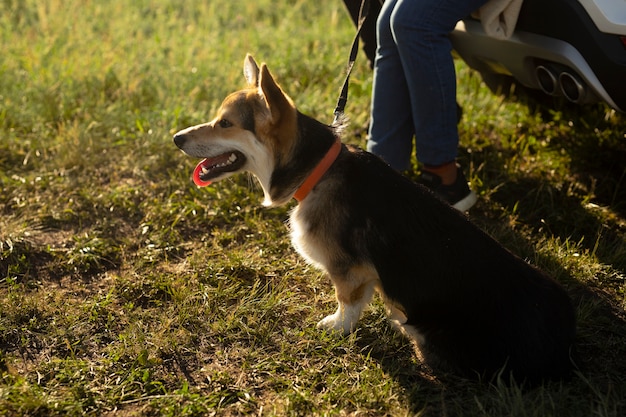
[554, 82]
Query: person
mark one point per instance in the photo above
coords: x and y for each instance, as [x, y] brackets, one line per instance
[414, 93]
[368, 30]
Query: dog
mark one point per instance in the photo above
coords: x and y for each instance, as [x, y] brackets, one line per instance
[469, 304]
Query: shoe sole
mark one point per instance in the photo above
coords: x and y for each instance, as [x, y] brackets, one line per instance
[467, 202]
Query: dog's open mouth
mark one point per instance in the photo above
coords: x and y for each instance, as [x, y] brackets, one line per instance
[211, 168]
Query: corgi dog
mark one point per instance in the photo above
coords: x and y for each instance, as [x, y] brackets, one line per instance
[467, 302]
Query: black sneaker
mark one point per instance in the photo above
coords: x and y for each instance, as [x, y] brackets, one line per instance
[458, 195]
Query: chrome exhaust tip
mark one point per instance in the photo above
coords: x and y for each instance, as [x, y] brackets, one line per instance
[547, 79]
[572, 87]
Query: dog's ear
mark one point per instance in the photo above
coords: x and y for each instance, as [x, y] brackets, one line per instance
[278, 103]
[251, 71]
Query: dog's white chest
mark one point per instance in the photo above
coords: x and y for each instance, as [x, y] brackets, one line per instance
[304, 242]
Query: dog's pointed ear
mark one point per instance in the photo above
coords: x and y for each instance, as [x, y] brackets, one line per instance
[251, 71]
[278, 103]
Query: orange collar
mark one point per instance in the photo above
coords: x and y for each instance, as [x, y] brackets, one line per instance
[319, 170]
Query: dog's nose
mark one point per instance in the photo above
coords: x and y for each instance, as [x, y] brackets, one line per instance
[179, 140]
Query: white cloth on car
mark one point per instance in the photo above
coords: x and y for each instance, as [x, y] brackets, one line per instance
[499, 17]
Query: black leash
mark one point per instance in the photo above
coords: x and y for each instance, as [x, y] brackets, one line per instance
[343, 97]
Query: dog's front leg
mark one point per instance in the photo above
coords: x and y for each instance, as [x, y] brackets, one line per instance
[354, 291]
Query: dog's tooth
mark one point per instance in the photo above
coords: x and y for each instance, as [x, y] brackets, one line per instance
[232, 158]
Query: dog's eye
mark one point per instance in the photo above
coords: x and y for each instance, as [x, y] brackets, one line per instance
[224, 123]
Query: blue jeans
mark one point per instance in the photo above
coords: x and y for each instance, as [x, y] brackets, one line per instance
[414, 90]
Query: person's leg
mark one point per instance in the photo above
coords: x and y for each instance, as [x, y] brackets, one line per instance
[420, 31]
[391, 125]
[368, 31]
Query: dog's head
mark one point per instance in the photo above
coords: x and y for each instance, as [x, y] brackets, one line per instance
[253, 131]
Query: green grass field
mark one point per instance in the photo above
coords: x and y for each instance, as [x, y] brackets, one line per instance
[126, 290]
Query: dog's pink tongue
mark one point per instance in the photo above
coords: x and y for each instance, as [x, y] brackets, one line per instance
[196, 175]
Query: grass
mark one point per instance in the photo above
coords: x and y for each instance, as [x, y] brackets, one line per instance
[125, 290]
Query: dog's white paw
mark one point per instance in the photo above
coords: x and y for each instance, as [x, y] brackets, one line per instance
[331, 323]
[339, 322]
